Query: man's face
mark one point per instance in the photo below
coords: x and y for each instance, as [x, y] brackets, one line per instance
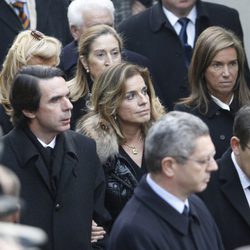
[194, 175]
[95, 17]
[54, 112]
[179, 7]
[242, 155]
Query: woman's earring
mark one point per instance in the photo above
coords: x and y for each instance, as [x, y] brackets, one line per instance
[87, 70]
[115, 117]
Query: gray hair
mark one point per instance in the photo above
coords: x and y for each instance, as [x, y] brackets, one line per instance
[174, 135]
[77, 7]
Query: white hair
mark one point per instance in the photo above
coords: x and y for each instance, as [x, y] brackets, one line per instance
[77, 7]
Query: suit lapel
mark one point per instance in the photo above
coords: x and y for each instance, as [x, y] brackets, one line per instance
[69, 162]
[232, 188]
[161, 208]
[9, 17]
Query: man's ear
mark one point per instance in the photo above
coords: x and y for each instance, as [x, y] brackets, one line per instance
[168, 166]
[29, 114]
[75, 32]
[235, 145]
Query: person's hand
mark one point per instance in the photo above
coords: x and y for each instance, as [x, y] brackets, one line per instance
[137, 7]
[97, 232]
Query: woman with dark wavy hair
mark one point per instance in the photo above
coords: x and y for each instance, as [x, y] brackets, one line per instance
[217, 83]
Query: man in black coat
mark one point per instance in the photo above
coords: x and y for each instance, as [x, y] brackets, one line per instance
[164, 213]
[61, 177]
[49, 17]
[154, 34]
[228, 193]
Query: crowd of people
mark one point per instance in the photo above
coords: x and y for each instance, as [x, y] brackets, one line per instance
[123, 131]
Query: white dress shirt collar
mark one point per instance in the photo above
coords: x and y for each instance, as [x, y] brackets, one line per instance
[172, 200]
[222, 104]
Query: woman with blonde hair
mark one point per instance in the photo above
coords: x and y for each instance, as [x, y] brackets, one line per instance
[29, 48]
[217, 83]
[123, 107]
[99, 47]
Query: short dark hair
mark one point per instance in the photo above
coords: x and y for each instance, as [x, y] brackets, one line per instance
[241, 127]
[25, 92]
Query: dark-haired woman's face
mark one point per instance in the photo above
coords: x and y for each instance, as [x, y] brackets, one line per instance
[222, 73]
[104, 52]
[135, 108]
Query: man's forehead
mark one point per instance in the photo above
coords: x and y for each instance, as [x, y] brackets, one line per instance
[97, 16]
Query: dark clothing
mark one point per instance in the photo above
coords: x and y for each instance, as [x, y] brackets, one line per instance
[64, 202]
[227, 203]
[79, 110]
[51, 20]
[148, 222]
[151, 34]
[219, 122]
[120, 184]
[5, 123]
[138, 171]
[122, 175]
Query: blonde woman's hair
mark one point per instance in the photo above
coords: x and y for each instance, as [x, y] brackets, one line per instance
[28, 44]
[78, 86]
[109, 91]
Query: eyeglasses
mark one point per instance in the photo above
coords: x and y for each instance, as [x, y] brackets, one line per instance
[37, 34]
[203, 162]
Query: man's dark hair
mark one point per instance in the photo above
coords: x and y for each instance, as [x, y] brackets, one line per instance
[241, 127]
[25, 92]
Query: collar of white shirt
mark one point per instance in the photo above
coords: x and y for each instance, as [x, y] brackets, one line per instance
[51, 144]
[172, 200]
[222, 104]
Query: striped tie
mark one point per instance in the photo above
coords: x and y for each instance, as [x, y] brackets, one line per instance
[22, 15]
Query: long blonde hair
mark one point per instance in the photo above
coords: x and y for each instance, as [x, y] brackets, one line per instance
[28, 44]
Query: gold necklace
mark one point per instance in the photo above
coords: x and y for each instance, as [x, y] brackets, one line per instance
[134, 149]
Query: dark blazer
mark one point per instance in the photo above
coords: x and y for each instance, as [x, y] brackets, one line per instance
[151, 34]
[148, 222]
[65, 215]
[227, 203]
[51, 20]
[219, 122]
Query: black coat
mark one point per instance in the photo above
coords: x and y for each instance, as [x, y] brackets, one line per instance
[148, 222]
[51, 20]
[227, 203]
[219, 122]
[151, 34]
[67, 214]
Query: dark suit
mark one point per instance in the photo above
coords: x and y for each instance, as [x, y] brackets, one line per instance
[63, 205]
[51, 20]
[227, 203]
[219, 122]
[151, 34]
[148, 222]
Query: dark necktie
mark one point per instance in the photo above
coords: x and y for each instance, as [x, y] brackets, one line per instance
[21, 14]
[183, 38]
[49, 151]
